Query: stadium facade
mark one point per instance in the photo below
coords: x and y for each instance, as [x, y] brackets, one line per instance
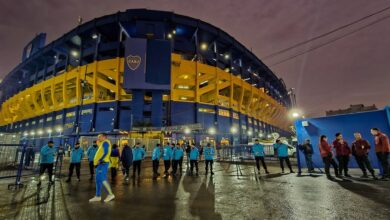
[139, 72]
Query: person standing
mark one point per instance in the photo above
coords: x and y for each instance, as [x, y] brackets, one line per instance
[382, 149]
[156, 155]
[258, 151]
[194, 157]
[114, 161]
[167, 156]
[327, 157]
[47, 161]
[127, 160]
[209, 153]
[188, 150]
[283, 155]
[177, 157]
[343, 153]
[361, 149]
[76, 155]
[138, 156]
[101, 162]
[91, 151]
[307, 149]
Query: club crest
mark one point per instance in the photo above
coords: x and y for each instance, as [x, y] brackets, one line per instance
[133, 61]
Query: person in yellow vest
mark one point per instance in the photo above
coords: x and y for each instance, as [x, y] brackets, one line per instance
[101, 162]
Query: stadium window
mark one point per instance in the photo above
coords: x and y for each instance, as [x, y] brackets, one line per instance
[207, 110]
[223, 112]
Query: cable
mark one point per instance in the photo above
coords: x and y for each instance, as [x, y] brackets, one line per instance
[329, 42]
[323, 35]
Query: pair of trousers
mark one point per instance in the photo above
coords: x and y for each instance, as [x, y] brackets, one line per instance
[137, 166]
[193, 163]
[126, 169]
[101, 179]
[91, 168]
[209, 162]
[167, 165]
[155, 166]
[328, 160]
[309, 161]
[364, 164]
[281, 159]
[258, 159]
[383, 159]
[48, 167]
[343, 164]
[71, 168]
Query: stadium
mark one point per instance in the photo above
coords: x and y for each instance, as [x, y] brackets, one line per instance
[143, 74]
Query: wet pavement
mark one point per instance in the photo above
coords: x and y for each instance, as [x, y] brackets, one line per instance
[234, 192]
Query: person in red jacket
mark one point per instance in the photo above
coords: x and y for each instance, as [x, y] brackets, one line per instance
[342, 153]
[360, 149]
[327, 157]
[382, 149]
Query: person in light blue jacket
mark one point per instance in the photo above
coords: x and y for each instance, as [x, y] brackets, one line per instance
[76, 155]
[91, 151]
[177, 159]
[283, 155]
[156, 155]
[209, 158]
[46, 161]
[258, 152]
[167, 156]
[194, 157]
[138, 156]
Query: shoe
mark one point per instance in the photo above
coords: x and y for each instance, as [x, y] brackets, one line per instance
[291, 171]
[197, 174]
[374, 177]
[266, 171]
[282, 171]
[347, 175]
[96, 199]
[258, 172]
[364, 176]
[39, 183]
[384, 178]
[109, 198]
[212, 173]
[78, 179]
[91, 178]
[68, 180]
[330, 177]
[51, 182]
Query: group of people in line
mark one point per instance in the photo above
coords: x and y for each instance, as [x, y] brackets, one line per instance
[360, 149]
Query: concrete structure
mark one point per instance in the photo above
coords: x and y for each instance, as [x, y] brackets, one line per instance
[352, 109]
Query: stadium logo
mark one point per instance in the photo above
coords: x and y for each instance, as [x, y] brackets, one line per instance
[133, 61]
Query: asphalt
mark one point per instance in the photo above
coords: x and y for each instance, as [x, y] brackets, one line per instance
[234, 192]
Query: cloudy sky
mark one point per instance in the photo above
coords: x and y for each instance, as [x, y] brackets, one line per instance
[354, 69]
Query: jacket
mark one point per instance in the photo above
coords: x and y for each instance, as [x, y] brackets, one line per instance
[156, 154]
[127, 156]
[208, 153]
[76, 155]
[167, 153]
[47, 154]
[325, 149]
[360, 148]
[138, 153]
[282, 149]
[177, 153]
[91, 151]
[342, 149]
[194, 154]
[382, 143]
[306, 148]
[258, 150]
[103, 153]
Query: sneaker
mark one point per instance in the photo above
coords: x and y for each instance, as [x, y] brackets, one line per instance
[347, 175]
[68, 180]
[109, 198]
[96, 199]
[258, 172]
[197, 174]
[282, 171]
[78, 179]
[330, 178]
[212, 173]
[291, 171]
[364, 176]
[266, 172]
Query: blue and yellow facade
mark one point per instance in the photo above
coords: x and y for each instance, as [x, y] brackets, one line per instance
[81, 83]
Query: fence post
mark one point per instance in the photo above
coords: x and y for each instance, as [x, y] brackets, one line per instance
[18, 183]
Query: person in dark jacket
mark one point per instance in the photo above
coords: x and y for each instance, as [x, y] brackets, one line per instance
[308, 151]
[343, 153]
[91, 155]
[156, 155]
[327, 157]
[127, 160]
[360, 149]
[382, 149]
[114, 161]
[76, 155]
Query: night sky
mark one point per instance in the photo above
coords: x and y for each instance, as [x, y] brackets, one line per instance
[352, 70]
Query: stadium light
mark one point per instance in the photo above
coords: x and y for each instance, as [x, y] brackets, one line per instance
[40, 132]
[94, 36]
[74, 53]
[32, 133]
[227, 56]
[203, 46]
[212, 130]
[59, 129]
[25, 134]
[187, 131]
[233, 130]
[169, 36]
[250, 133]
[49, 131]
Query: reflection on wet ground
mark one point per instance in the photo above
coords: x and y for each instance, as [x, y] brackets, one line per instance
[232, 193]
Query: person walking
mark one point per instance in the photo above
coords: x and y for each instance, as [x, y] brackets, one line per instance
[138, 156]
[327, 157]
[307, 149]
[194, 157]
[258, 151]
[382, 149]
[283, 155]
[127, 160]
[167, 156]
[360, 150]
[91, 151]
[76, 154]
[209, 153]
[176, 158]
[101, 162]
[47, 161]
[343, 153]
[114, 161]
[156, 155]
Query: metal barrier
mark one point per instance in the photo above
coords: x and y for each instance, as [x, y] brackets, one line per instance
[244, 152]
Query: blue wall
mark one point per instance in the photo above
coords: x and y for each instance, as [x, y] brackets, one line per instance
[347, 125]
